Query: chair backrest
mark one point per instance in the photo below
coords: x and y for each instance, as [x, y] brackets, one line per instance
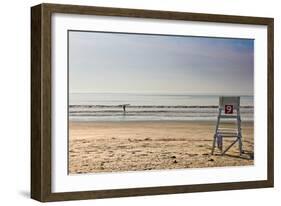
[229, 100]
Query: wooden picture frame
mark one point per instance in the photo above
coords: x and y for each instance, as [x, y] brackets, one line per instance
[41, 116]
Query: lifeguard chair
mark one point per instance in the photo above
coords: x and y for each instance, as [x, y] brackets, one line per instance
[229, 108]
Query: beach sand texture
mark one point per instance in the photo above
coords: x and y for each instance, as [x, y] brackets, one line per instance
[132, 146]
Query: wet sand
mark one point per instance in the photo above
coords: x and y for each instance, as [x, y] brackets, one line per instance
[131, 146]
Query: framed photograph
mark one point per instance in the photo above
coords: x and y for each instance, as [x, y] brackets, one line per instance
[130, 102]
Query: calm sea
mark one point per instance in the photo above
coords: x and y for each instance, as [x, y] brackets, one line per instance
[149, 107]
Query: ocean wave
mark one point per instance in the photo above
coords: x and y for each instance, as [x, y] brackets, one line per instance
[146, 111]
[149, 112]
[149, 106]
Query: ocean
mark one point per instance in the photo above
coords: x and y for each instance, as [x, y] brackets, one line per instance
[149, 107]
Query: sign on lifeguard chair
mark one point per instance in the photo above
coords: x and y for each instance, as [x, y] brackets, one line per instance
[229, 108]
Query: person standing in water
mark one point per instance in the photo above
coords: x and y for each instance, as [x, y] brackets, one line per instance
[124, 107]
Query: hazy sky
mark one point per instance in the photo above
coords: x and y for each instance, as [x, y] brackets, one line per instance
[113, 62]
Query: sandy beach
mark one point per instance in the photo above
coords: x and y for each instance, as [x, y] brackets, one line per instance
[131, 146]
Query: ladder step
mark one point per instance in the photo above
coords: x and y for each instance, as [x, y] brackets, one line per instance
[229, 116]
[228, 129]
[228, 136]
[227, 133]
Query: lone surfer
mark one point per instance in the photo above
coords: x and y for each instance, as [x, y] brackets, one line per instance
[124, 107]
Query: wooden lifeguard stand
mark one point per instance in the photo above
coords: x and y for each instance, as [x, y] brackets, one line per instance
[229, 108]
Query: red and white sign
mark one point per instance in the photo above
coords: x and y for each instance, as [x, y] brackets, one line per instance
[228, 109]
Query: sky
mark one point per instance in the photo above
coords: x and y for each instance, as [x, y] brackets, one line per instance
[118, 62]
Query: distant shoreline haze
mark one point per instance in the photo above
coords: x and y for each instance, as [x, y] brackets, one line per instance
[142, 98]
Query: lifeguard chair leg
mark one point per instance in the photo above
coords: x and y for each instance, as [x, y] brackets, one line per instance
[214, 144]
[216, 132]
[239, 132]
[240, 145]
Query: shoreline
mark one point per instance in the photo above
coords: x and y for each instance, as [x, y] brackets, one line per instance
[153, 121]
[155, 106]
